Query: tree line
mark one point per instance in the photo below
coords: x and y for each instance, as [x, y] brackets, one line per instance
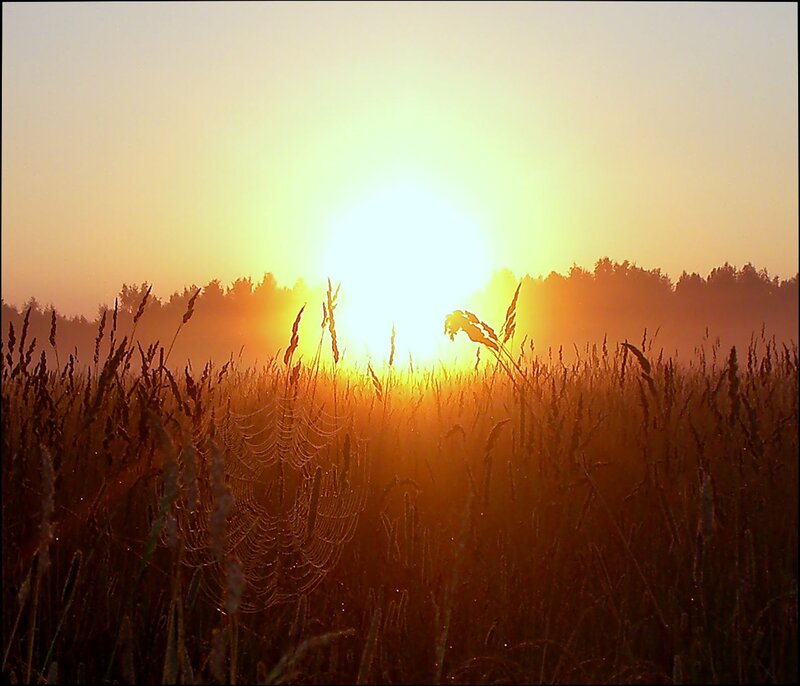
[615, 301]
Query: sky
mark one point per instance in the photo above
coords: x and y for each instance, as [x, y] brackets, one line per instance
[178, 143]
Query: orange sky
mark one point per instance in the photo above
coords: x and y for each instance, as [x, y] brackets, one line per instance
[176, 143]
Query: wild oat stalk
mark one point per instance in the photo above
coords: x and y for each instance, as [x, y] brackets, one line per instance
[52, 338]
[136, 318]
[480, 332]
[113, 334]
[332, 297]
[510, 323]
[376, 383]
[295, 340]
[318, 354]
[100, 333]
[186, 317]
[644, 363]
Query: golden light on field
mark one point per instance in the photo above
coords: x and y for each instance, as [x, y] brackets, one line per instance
[406, 255]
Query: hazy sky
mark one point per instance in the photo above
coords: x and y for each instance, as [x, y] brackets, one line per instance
[179, 143]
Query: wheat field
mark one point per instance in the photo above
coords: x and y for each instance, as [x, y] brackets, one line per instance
[618, 518]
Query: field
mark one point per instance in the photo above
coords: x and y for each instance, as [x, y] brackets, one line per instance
[614, 518]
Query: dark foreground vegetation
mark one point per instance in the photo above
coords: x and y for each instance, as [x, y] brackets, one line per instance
[618, 518]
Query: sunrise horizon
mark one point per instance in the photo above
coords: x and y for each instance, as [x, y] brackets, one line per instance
[540, 162]
[399, 343]
[421, 340]
[92, 312]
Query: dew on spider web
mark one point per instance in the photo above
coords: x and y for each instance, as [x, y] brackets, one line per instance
[285, 532]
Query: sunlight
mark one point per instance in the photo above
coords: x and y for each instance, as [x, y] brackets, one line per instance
[405, 257]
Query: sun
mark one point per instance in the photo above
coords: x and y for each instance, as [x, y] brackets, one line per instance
[405, 256]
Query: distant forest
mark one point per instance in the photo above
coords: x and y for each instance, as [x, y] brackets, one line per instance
[616, 301]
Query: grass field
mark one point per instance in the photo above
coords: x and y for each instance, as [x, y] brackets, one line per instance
[620, 518]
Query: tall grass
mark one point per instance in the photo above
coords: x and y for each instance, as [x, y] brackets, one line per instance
[623, 518]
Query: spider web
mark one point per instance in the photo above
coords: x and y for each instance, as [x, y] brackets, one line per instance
[276, 495]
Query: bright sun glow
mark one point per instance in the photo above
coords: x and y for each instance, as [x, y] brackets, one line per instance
[405, 256]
